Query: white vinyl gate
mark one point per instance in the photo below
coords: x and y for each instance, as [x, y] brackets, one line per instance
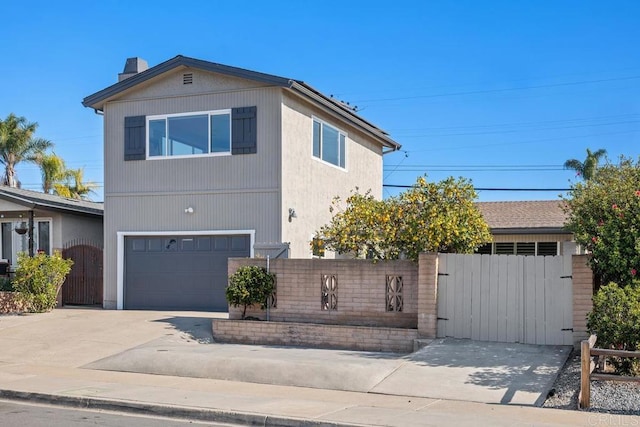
[506, 298]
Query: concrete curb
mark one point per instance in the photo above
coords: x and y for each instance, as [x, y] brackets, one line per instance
[207, 415]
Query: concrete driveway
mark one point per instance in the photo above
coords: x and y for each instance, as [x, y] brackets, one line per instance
[180, 344]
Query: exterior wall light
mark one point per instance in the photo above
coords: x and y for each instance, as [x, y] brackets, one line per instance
[292, 214]
[188, 210]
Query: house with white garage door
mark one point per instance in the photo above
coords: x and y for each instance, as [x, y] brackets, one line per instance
[205, 161]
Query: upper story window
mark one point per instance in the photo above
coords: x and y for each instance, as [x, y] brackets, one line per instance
[329, 143]
[193, 134]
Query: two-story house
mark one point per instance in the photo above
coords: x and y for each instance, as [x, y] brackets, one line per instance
[205, 161]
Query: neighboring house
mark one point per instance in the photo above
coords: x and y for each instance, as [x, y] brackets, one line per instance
[205, 161]
[527, 228]
[31, 221]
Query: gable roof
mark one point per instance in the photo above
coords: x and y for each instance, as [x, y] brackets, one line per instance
[530, 217]
[97, 100]
[36, 200]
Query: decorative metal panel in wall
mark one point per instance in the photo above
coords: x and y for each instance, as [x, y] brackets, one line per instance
[394, 293]
[329, 292]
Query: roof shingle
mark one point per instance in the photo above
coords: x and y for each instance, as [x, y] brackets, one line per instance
[539, 214]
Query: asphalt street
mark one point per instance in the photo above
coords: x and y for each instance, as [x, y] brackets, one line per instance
[30, 415]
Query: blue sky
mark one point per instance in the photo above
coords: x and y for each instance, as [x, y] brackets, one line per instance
[469, 88]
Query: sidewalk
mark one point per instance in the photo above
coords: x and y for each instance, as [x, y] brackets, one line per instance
[258, 404]
[42, 359]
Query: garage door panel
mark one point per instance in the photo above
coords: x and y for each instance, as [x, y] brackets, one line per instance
[179, 272]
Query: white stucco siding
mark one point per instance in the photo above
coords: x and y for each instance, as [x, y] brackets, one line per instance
[308, 184]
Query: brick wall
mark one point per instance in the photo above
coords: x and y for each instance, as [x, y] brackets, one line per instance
[582, 295]
[314, 335]
[428, 295]
[361, 291]
[9, 303]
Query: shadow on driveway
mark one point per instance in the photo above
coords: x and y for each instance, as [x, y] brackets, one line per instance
[445, 369]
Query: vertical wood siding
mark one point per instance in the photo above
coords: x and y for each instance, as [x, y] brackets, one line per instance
[226, 192]
[506, 298]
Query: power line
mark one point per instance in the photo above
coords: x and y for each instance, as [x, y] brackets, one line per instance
[520, 130]
[489, 188]
[524, 124]
[478, 92]
[532, 141]
[478, 170]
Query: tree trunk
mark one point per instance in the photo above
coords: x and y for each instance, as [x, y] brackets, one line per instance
[10, 176]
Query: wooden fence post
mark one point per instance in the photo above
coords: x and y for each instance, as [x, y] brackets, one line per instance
[585, 373]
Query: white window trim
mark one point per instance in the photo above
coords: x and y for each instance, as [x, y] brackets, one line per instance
[36, 220]
[193, 113]
[341, 132]
[120, 250]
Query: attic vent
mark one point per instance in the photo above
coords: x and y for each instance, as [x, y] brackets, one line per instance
[187, 78]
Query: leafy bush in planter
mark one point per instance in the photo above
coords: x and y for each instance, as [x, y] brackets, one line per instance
[39, 279]
[615, 319]
[250, 285]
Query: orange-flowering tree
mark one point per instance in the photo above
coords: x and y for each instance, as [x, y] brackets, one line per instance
[604, 216]
[428, 217]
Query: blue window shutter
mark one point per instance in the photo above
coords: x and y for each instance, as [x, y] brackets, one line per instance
[244, 130]
[134, 138]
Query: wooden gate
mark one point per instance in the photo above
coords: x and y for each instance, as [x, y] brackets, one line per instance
[83, 285]
[506, 298]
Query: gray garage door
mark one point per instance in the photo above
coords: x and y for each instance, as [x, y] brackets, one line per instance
[179, 272]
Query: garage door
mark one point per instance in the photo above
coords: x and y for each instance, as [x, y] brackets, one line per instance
[179, 272]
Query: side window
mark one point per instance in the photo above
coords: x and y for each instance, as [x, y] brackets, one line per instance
[329, 144]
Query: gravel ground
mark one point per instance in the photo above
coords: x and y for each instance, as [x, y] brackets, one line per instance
[610, 397]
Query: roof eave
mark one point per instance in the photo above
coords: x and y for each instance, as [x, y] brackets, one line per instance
[32, 204]
[97, 100]
[346, 114]
[530, 230]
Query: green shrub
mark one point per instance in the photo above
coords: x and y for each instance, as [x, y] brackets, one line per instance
[615, 319]
[6, 285]
[250, 285]
[603, 215]
[39, 279]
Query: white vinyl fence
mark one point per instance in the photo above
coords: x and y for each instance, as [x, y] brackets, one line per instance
[505, 298]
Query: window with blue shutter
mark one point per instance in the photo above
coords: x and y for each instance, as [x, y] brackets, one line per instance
[244, 130]
[134, 138]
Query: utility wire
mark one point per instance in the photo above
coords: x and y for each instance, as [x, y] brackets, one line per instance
[532, 141]
[478, 92]
[489, 188]
[490, 132]
[523, 124]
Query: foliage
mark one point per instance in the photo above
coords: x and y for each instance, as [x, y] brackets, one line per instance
[6, 285]
[604, 216]
[615, 319]
[73, 186]
[428, 217]
[250, 285]
[17, 144]
[588, 168]
[39, 279]
[53, 170]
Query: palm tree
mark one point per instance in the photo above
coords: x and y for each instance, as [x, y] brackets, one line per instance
[18, 144]
[586, 169]
[53, 171]
[73, 187]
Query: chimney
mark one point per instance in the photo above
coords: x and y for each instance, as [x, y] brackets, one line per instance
[132, 67]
